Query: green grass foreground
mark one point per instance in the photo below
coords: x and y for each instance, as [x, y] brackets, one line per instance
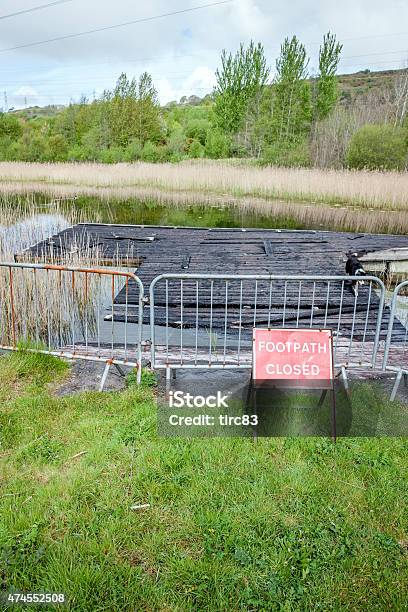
[280, 524]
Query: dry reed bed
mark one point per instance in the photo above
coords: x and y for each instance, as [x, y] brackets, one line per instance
[379, 190]
[342, 218]
[46, 307]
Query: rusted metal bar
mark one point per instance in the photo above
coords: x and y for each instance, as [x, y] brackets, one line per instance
[63, 310]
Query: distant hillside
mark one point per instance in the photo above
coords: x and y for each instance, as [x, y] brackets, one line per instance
[360, 83]
[32, 112]
[351, 87]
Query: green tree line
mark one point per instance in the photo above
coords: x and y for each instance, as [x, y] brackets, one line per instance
[274, 115]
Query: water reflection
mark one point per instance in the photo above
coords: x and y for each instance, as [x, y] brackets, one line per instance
[41, 219]
[30, 230]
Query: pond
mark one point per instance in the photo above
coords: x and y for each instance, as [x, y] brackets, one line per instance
[23, 222]
[136, 212]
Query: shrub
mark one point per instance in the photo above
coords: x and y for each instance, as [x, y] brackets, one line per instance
[164, 153]
[217, 145]
[133, 151]
[378, 147]
[294, 156]
[238, 149]
[7, 149]
[177, 144]
[175, 158]
[95, 139]
[10, 126]
[195, 149]
[81, 153]
[198, 129]
[150, 152]
[32, 147]
[112, 155]
[155, 153]
[58, 148]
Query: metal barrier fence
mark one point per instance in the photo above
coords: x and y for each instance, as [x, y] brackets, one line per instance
[205, 321]
[196, 320]
[396, 346]
[71, 312]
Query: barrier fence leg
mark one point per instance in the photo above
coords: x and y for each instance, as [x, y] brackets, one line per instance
[322, 398]
[119, 369]
[334, 415]
[105, 374]
[255, 429]
[345, 380]
[396, 385]
[168, 377]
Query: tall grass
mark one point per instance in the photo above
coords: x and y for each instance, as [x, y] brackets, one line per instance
[24, 222]
[48, 308]
[331, 199]
[378, 190]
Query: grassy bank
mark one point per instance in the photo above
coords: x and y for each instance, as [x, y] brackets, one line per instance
[283, 524]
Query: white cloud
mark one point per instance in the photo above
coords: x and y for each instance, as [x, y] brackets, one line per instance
[201, 81]
[26, 91]
[182, 51]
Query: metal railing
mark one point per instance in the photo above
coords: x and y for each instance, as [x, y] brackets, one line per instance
[205, 321]
[196, 320]
[71, 312]
[396, 345]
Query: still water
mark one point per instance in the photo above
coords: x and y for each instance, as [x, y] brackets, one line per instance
[135, 212]
[42, 218]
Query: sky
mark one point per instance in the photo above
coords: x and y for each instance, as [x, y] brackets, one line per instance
[182, 50]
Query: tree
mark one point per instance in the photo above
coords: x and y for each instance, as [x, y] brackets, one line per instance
[291, 105]
[122, 111]
[146, 90]
[58, 147]
[198, 129]
[327, 89]
[240, 80]
[132, 111]
[217, 145]
[401, 97]
[149, 126]
[10, 126]
[75, 121]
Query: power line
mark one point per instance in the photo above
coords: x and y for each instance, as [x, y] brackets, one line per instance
[175, 76]
[197, 53]
[206, 90]
[367, 64]
[169, 78]
[58, 87]
[117, 25]
[34, 8]
[343, 77]
[341, 39]
[377, 36]
[377, 53]
[183, 55]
